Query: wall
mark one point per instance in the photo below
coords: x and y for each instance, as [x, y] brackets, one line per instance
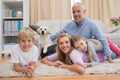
[0, 28]
[26, 13]
[117, 7]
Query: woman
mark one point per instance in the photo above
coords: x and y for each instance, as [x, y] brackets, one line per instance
[66, 56]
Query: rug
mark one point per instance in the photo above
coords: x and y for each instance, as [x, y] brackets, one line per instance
[6, 70]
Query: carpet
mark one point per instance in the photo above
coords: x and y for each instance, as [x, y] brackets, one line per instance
[6, 70]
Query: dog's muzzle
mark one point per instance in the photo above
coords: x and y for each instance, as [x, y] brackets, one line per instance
[43, 33]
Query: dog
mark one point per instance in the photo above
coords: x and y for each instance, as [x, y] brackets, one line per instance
[44, 38]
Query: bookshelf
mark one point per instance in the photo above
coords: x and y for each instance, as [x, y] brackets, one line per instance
[14, 15]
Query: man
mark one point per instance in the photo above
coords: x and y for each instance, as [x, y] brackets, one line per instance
[86, 27]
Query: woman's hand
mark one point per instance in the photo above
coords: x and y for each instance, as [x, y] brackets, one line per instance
[58, 63]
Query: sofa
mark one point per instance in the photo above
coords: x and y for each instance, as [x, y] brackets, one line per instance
[55, 25]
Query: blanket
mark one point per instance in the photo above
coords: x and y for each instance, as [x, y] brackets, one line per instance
[6, 70]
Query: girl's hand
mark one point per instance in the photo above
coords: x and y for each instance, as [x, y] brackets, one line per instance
[87, 64]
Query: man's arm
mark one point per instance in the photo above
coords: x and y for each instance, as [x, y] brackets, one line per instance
[54, 36]
[99, 35]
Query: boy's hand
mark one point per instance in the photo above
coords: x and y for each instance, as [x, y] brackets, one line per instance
[26, 69]
[31, 66]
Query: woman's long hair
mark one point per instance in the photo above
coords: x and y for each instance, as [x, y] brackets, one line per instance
[65, 58]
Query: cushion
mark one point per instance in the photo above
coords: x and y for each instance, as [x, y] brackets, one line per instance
[114, 29]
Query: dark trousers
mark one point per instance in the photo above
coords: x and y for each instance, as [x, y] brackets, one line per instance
[51, 49]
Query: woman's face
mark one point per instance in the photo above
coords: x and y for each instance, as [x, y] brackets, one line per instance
[81, 45]
[64, 44]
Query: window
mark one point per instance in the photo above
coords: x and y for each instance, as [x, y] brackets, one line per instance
[74, 1]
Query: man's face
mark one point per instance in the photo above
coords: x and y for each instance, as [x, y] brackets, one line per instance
[78, 13]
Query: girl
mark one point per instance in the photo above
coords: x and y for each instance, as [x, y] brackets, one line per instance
[89, 47]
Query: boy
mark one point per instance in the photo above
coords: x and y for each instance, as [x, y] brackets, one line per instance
[25, 53]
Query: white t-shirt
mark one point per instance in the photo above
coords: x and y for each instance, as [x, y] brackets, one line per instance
[18, 56]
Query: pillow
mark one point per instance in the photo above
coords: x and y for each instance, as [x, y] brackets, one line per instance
[114, 29]
[34, 27]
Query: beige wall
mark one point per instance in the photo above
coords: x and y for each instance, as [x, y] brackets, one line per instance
[117, 7]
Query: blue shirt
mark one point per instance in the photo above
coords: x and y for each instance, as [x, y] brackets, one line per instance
[87, 28]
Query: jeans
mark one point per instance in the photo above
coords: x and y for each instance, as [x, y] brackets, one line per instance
[51, 49]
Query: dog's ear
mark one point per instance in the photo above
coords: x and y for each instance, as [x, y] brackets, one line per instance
[34, 27]
[48, 31]
[38, 30]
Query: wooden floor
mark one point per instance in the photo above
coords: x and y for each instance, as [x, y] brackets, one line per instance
[81, 77]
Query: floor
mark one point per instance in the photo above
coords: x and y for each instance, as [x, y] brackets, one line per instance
[81, 77]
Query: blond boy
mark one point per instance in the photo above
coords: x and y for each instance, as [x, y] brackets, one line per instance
[25, 53]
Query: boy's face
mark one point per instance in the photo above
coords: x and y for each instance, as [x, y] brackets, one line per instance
[81, 45]
[25, 44]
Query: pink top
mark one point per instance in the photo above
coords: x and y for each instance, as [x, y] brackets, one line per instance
[75, 56]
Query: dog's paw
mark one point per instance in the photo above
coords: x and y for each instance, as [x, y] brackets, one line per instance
[44, 50]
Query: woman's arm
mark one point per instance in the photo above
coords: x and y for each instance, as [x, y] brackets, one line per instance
[46, 61]
[78, 64]
[77, 58]
[74, 67]
[50, 60]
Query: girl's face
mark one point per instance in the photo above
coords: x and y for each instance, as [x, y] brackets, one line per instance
[64, 44]
[81, 45]
[25, 44]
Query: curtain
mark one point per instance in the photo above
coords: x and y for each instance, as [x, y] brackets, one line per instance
[100, 9]
[50, 10]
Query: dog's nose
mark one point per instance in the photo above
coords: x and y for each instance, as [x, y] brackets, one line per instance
[42, 32]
